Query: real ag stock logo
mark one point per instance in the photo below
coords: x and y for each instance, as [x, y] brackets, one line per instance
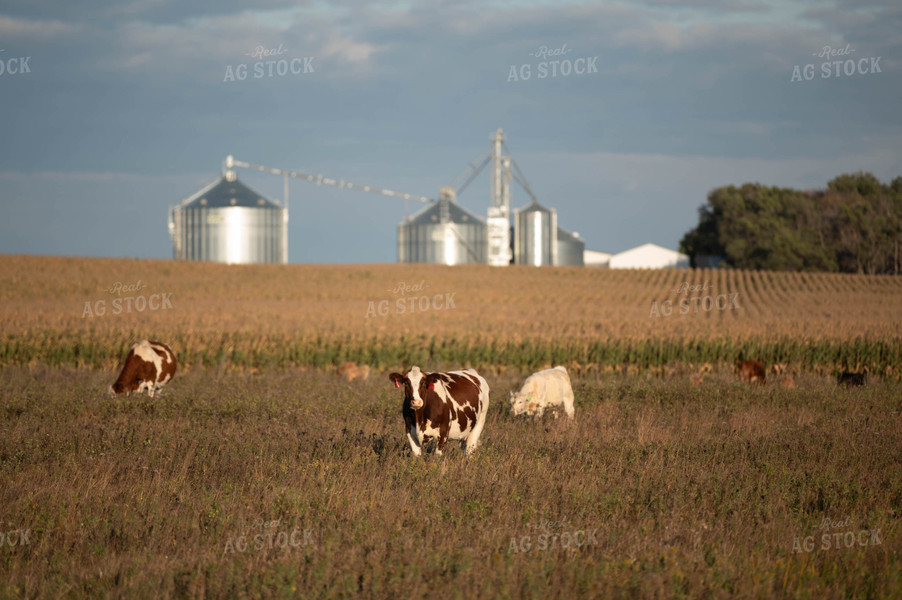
[127, 304]
[552, 535]
[269, 536]
[269, 68]
[563, 67]
[14, 537]
[688, 304]
[16, 65]
[411, 301]
[837, 68]
[830, 540]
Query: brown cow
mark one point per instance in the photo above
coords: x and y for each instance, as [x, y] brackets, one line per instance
[148, 366]
[751, 371]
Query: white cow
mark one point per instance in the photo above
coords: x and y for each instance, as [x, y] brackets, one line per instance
[546, 389]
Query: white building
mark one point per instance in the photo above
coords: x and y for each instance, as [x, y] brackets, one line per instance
[593, 258]
[649, 256]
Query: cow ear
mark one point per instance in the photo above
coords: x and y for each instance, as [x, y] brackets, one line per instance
[397, 378]
[430, 380]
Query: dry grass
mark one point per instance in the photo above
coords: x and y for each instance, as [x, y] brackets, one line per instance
[694, 492]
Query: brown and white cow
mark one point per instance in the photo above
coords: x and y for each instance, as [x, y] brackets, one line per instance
[148, 366]
[751, 371]
[443, 406]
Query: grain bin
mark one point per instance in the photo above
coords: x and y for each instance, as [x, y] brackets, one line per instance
[535, 235]
[570, 248]
[443, 233]
[229, 222]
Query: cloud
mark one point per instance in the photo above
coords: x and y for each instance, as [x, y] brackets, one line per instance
[695, 176]
[101, 177]
[34, 30]
[345, 48]
[184, 50]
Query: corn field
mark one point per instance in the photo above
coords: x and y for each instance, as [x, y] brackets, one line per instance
[64, 311]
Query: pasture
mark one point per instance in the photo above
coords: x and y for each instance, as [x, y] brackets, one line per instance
[259, 473]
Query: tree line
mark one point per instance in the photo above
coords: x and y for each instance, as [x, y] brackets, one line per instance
[853, 226]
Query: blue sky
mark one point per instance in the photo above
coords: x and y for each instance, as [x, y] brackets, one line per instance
[125, 111]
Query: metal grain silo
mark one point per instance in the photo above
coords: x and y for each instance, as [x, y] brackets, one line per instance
[570, 248]
[442, 233]
[535, 235]
[231, 223]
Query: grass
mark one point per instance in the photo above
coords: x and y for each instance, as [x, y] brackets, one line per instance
[694, 492]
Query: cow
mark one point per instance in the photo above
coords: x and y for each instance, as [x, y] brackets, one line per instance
[751, 371]
[849, 379]
[443, 406]
[546, 389]
[350, 371]
[148, 366]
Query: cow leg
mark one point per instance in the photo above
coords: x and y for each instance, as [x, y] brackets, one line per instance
[568, 405]
[440, 444]
[473, 438]
[414, 441]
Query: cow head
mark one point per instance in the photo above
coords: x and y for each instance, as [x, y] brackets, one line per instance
[416, 384]
[118, 388]
[521, 402]
[123, 387]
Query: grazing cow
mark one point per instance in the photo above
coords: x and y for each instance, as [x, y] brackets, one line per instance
[546, 389]
[350, 371]
[751, 371]
[444, 406]
[849, 379]
[148, 366]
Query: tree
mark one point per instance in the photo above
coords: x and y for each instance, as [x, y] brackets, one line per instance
[855, 225]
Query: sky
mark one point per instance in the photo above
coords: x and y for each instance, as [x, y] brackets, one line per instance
[127, 107]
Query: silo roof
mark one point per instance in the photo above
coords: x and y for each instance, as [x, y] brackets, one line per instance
[433, 214]
[563, 234]
[223, 193]
[534, 206]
